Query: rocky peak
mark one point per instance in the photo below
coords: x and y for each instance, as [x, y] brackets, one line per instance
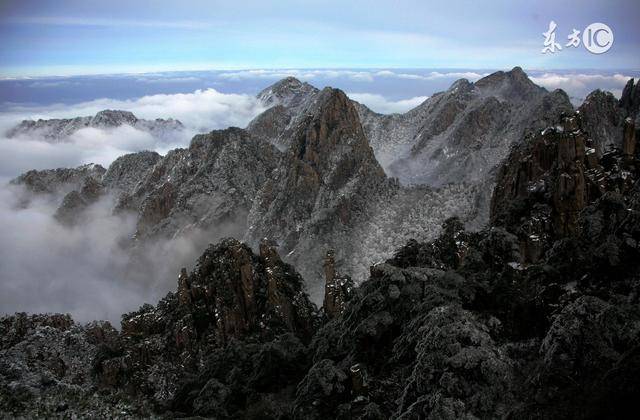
[603, 119]
[113, 118]
[128, 170]
[332, 127]
[630, 99]
[512, 85]
[289, 92]
[328, 178]
[214, 181]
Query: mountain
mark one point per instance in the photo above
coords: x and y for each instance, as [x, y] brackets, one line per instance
[288, 102]
[307, 174]
[211, 184]
[324, 185]
[321, 189]
[57, 130]
[537, 315]
[462, 134]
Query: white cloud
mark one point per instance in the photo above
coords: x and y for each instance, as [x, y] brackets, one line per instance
[379, 103]
[85, 270]
[358, 76]
[434, 75]
[200, 111]
[578, 86]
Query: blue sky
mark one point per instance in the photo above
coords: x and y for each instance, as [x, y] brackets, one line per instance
[89, 37]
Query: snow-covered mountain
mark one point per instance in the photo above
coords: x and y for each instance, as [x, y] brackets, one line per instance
[307, 172]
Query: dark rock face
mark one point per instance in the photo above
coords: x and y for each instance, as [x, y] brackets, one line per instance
[551, 178]
[58, 130]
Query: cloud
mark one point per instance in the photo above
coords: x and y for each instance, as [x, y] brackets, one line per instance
[380, 104]
[358, 76]
[86, 270]
[578, 86]
[434, 75]
[200, 111]
[49, 268]
[353, 75]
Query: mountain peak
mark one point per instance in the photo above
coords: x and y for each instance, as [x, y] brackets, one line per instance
[512, 84]
[289, 92]
[113, 118]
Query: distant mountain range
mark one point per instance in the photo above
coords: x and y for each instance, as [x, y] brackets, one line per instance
[57, 130]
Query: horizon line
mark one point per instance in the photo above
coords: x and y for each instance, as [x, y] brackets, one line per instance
[32, 76]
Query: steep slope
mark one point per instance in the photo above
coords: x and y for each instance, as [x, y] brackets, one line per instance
[57, 130]
[324, 187]
[212, 184]
[462, 134]
[288, 101]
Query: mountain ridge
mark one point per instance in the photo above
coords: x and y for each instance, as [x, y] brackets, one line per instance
[59, 129]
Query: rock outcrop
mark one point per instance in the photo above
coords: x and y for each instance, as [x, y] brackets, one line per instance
[74, 204]
[551, 178]
[213, 183]
[337, 288]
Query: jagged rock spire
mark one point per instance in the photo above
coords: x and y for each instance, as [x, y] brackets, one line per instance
[337, 289]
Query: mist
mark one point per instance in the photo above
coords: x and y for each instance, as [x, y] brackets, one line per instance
[92, 270]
